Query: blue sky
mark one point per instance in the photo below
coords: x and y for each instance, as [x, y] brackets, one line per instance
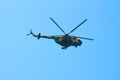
[26, 58]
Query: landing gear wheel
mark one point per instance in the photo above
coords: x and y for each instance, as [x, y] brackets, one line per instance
[64, 47]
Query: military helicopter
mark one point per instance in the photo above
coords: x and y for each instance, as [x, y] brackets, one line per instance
[65, 40]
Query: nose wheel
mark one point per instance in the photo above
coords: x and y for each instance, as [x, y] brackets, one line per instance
[64, 47]
[76, 46]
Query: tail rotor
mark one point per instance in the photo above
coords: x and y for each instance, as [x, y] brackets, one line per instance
[29, 33]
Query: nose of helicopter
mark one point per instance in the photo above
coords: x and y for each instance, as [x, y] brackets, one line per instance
[79, 42]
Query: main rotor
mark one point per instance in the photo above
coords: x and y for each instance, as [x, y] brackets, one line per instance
[71, 30]
[66, 34]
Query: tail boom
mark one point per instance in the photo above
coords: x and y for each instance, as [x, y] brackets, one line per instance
[39, 35]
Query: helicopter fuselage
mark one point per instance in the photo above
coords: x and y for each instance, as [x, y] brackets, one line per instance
[67, 41]
[64, 40]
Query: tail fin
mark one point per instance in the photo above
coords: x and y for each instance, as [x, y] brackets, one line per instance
[31, 33]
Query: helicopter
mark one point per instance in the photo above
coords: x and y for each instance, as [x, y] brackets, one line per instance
[65, 40]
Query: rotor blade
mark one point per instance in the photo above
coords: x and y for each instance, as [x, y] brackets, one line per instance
[77, 26]
[85, 38]
[58, 26]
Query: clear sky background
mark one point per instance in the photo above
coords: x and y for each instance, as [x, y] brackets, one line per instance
[26, 58]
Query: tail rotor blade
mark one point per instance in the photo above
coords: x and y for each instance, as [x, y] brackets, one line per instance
[77, 26]
[58, 25]
[28, 34]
